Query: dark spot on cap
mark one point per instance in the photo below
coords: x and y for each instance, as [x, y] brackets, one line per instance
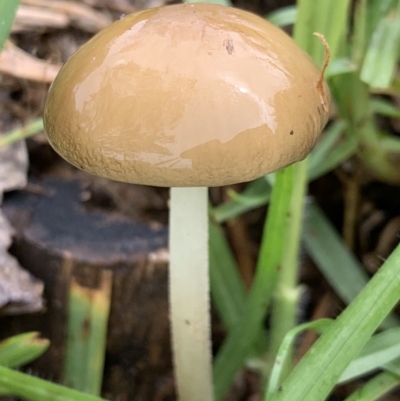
[291, 132]
[187, 322]
[228, 43]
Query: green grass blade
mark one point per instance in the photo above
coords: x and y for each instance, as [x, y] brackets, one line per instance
[376, 388]
[283, 356]
[259, 191]
[393, 367]
[382, 54]
[18, 134]
[339, 266]
[317, 373]
[284, 308]
[283, 16]
[8, 9]
[227, 289]
[360, 35]
[328, 141]
[376, 11]
[340, 66]
[379, 350]
[34, 389]
[328, 17]
[87, 331]
[250, 201]
[345, 149]
[236, 347]
[22, 349]
[385, 108]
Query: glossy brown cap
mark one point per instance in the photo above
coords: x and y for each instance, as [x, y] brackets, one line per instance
[186, 95]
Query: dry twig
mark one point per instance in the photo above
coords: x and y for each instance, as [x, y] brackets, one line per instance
[79, 15]
[20, 64]
[33, 18]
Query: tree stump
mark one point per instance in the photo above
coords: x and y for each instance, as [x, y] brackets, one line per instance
[62, 243]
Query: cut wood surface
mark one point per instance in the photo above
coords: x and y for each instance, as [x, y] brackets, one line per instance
[60, 241]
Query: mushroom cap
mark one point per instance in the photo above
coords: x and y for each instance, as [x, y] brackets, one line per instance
[187, 95]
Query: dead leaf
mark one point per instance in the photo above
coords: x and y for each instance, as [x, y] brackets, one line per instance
[6, 232]
[20, 292]
[14, 167]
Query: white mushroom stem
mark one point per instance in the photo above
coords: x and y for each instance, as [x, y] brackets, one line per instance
[190, 293]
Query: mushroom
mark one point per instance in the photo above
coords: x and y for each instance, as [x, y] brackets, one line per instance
[187, 96]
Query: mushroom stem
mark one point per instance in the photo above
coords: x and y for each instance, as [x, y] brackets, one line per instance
[189, 293]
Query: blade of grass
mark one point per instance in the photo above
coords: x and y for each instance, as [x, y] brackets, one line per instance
[18, 134]
[345, 149]
[250, 201]
[376, 11]
[8, 9]
[383, 51]
[283, 16]
[328, 17]
[317, 373]
[325, 145]
[287, 292]
[385, 108]
[381, 349]
[393, 367]
[34, 389]
[258, 189]
[340, 66]
[339, 266]
[332, 150]
[87, 332]
[378, 351]
[21, 349]
[283, 356]
[227, 289]
[361, 32]
[235, 349]
[375, 388]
